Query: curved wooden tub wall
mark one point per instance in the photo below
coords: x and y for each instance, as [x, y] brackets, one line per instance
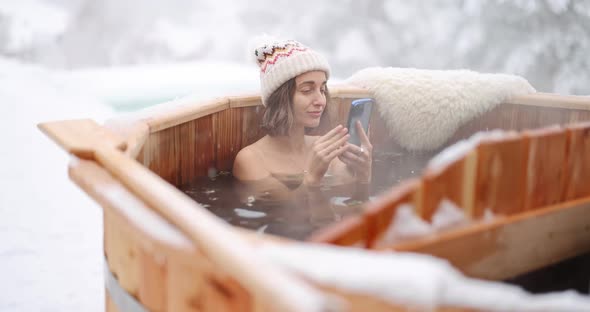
[534, 182]
[165, 271]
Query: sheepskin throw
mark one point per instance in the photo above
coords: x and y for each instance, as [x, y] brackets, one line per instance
[423, 108]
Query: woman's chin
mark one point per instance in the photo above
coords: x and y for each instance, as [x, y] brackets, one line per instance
[313, 124]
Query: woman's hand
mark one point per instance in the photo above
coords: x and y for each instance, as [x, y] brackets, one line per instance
[359, 159]
[324, 150]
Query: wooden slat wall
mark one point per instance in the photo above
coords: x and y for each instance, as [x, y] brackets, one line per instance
[546, 167]
[520, 117]
[537, 172]
[500, 177]
[183, 152]
[505, 116]
[444, 184]
[578, 162]
[251, 119]
[227, 138]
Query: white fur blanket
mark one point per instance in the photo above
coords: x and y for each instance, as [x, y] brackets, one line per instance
[423, 108]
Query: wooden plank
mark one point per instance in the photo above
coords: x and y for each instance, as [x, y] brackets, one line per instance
[122, 252]
[150, 230]
[135, 134]
[163, 248]
[187, 112]
[245, 100]
[509, 246]
[546, 167]
[469, 184]
[109, 237]
[153, 280]
[162, 245]
[167, 155]
[340, 114]
[204, 147]
[185, 286]
[442, 183]
[185, 138]
[379, 214]
[344, 91]
[71, 136]
[552, 100]
[510, 116]
[501, 176]
[228, 130]
[181, 153]
[146, 155]
[578, 162]
[223, 294]
[251, 122]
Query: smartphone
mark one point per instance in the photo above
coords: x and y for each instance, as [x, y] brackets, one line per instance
[359, 110]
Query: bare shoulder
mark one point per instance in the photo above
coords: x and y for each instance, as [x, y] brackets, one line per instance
[248, 164]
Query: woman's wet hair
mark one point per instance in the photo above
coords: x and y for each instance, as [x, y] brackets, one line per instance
[278, 115]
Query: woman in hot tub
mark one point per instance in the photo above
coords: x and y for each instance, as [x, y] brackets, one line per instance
[293, 81]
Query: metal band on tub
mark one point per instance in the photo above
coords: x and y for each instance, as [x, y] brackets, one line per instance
[124, 301]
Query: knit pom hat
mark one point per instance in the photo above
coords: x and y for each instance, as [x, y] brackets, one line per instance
[281, 60]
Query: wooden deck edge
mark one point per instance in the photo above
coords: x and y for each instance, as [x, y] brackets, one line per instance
[183, 112]
[160, 120]
[552, 100]
[348, 91]
[246, 100]
[509, 246]
[186, 112]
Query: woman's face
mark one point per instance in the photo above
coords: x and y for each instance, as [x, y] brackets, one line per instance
[309, 100]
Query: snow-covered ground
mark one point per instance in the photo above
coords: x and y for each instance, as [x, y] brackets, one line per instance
[50, 232]
[129, 88]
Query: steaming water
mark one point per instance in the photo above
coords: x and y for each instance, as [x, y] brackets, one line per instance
[297, 213]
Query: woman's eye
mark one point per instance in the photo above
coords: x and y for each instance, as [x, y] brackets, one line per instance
[306, 90]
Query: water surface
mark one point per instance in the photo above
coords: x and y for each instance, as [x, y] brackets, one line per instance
[296, 212]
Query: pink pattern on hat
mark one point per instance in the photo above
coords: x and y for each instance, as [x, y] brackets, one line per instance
[282, 60]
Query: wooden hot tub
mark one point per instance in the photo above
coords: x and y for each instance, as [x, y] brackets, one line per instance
[164, 252]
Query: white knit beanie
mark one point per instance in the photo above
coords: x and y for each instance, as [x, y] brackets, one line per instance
[281, 60]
